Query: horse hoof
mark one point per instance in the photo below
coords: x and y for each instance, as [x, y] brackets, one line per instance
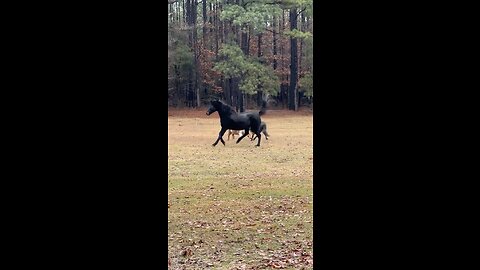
[214, 145]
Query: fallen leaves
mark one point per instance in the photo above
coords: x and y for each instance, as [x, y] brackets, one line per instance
[272, 234]
[254, 207]
[186, 252]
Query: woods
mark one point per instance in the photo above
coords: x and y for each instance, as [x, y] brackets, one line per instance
[240, 51]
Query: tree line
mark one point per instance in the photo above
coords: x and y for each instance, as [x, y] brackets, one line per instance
[243, 51]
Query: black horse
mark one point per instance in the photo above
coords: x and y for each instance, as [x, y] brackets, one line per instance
[230, 119]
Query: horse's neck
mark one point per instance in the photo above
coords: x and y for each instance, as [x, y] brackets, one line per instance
[226, 111]
[224, 114]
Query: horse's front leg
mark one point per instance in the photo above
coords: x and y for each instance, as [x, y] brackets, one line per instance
[220, 135]
[244, 134]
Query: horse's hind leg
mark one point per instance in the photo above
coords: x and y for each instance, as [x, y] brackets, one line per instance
[259, 135]
[220, 135]
[244, 135]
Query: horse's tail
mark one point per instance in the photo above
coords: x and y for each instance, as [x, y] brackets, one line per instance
[263, 110]
[265, 131]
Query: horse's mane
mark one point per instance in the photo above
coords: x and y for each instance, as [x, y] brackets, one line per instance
[226, 108]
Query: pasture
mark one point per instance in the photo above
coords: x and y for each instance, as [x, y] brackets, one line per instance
[239, 206]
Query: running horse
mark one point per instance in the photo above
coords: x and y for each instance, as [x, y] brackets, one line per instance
[230, 119]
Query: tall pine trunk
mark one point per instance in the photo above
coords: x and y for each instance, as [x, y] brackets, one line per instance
[184, 18]
[218, 30]
[196, 87]
[205, 19]
[244, 45]
[300, 67]
[274, 43]
[292, 93]
[259, 55]
[283, 87]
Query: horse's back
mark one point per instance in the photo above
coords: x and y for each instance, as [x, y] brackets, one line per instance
[242, 121]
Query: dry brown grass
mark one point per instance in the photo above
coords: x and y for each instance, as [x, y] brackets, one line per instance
[239, 206]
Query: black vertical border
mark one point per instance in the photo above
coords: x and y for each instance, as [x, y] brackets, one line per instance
[99, 162]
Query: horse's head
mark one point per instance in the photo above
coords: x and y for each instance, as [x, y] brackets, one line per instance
[214, 106]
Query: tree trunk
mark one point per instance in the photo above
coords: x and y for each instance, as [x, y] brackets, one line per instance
[196, 86]
[226, 90]
[274, 43]
[302, 28]
[212, 25]
[192, 81]
[205, 19]
[245, 48]
[218, 30]
[188, 7]
[244, 43]
[300, 67]
[240, 101]
[275, 63]
[184, 15]
[292, 93]
[177, 85]
[233, 93]
[259, 55]
[250, 31]
[223, 33]
[283, 89]
[300, 96]
[223, 26]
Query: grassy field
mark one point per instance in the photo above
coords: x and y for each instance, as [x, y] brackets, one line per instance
[239, 206]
